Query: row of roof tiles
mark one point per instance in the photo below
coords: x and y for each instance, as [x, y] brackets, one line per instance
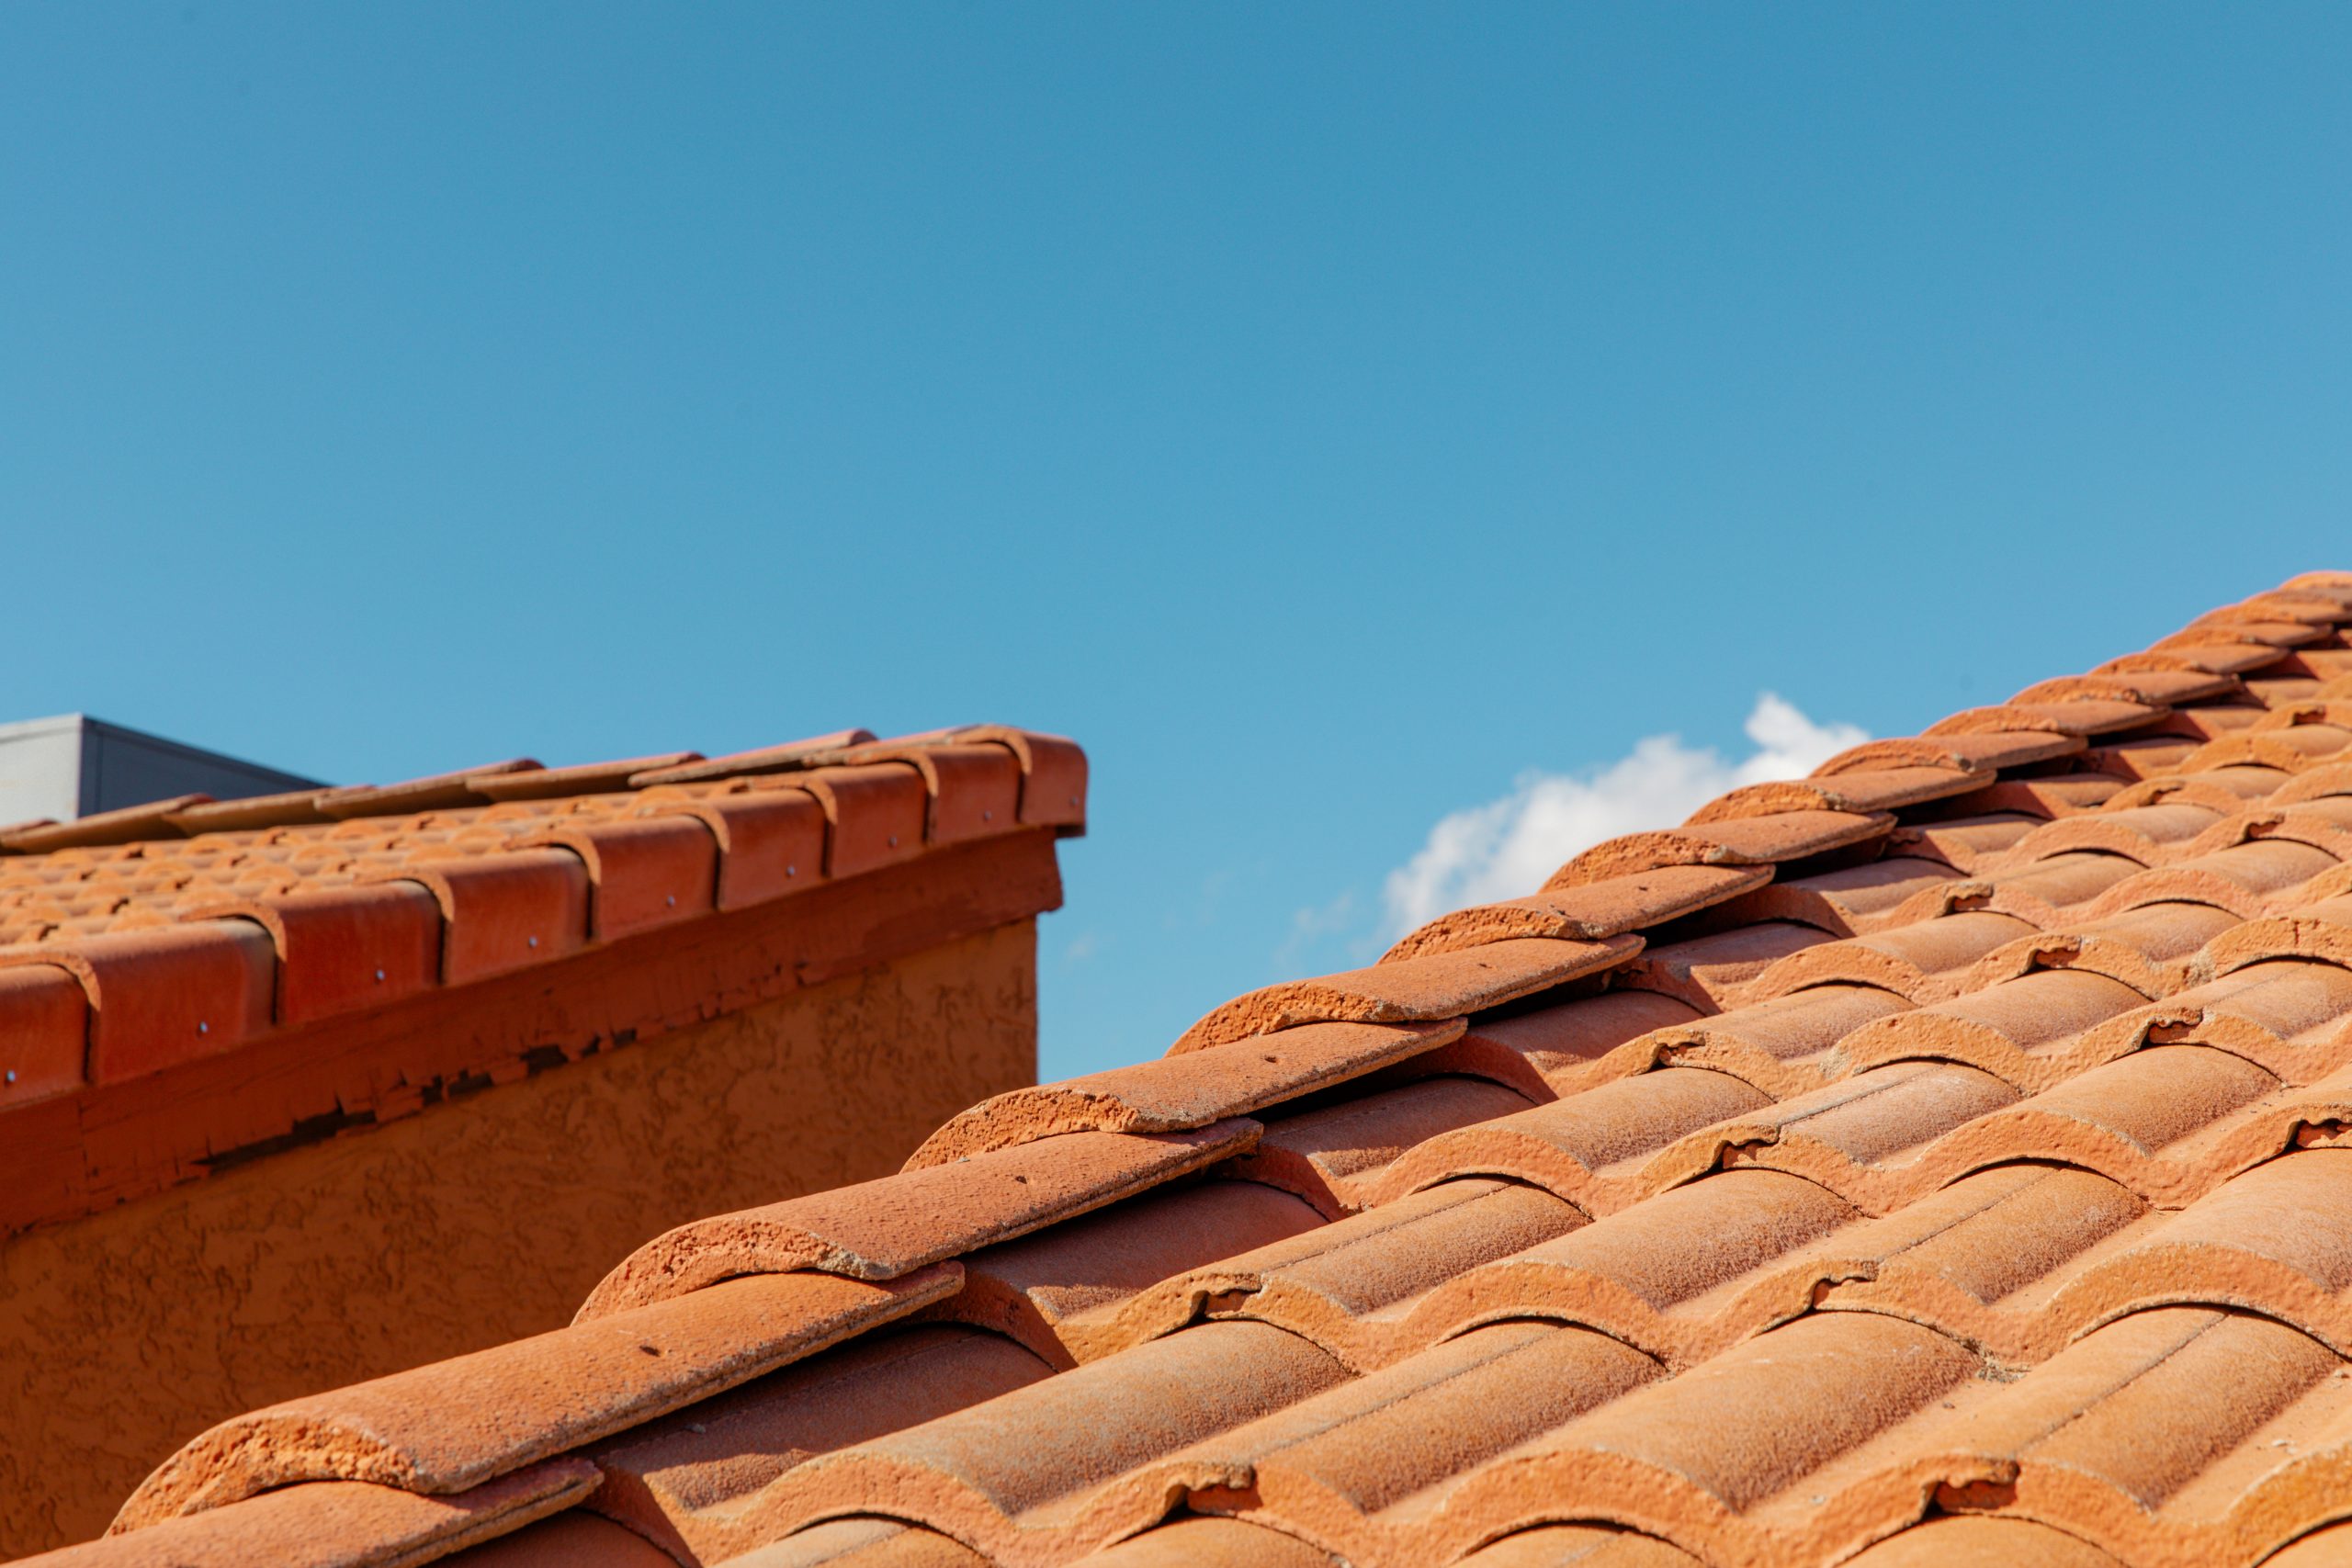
[1935, 1160]
[151, 937]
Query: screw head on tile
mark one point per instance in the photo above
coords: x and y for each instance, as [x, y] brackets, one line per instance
[531, 941]
[894, 840]
[987, 815]
[202, 1027]
[380, 974]
[672, 900]
[12, 1075]
[791, 870]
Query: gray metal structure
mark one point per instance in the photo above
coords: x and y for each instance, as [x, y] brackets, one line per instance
[75, 765]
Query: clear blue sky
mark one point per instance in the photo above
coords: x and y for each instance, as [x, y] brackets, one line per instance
[1325, 412]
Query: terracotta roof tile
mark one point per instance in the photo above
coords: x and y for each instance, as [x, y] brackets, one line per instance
[1934, 1161]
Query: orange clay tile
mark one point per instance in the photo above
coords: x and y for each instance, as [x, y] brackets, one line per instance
[1439, 986]
[879, 1230]
[1355, 1467]
[2029, 1032]
[1190, 1091]
[1211, 1543]
[771, 842]
[1977, 1541]
[1336, 1158]
[165, 996]
[643, 873]
[1028, 1289]
[437, 792]
[1592, 1149]
[2151, 948]
[692, 1482]
[790, 757]
[1739, 840]
[861, 1543]
[1862, 790]
[1967, 844]
[975, 789]
[1782, 1045]
[44, 1033]
[340, 1524]
[1590, 911]
[2178, 1435]
[1567, 1046]
[344, 949]
[1347, 1284]
[1711, 973]
[2086, 717]
[1923, 961]
[561, 1541]
[1975, 753]
[1850, 901]
[1075, 1462]
[876, 813]
[123, 825]
[1579, 1546]
[505, 911]
[456, 1423]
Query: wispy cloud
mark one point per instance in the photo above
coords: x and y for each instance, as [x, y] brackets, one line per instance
[1505, 848]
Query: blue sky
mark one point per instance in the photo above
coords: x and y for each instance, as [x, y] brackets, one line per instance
[1338, 417]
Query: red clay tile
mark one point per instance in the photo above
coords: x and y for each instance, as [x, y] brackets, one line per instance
[1784, 1044]
[1053, 773]
[1350, 1285]
[2243, 880]
[2179, 1435]
[44, 1034]
[876, 814]
[1711, 1461]
[1863, 790]
[436, 792]
[2151, 949]
[2330, 1546]
[1336, 1158]
[1867, 1138]
[2030, 1032]
[788, 757]
[293, 808]
[458, 1423]
[2277, 1241]
[1979, 1260]
[1711, 973]
[879, 1230]
[1189, 1090]
[1028, 1288]
[694, 1482]
[1046, 1473]
[339, 1524]
[1579, 1546]
[2292, 1019]
[1440, 986]
[643, 873]
[1591, 1148]
[2056, 794]
[1926, 961]
[165, 996]
[2148, 686]
[1742, 840]
[1211, 1543]
[572, 1539]
[862, 1543]
[581, 778]
[2062, 888]
[1978, 753]
[1571, 1046]
[2081, 718]
[2151, 835]
[1356, 1467]
[1853, 900]
[505, 911]
[341, 950]
[975, 789]
[1974, 1541]
[1680, 1278]
[1967, 844]
[1591, 911]
[123, 825]
[771, 842]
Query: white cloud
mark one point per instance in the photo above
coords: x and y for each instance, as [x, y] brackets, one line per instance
[1505, 848]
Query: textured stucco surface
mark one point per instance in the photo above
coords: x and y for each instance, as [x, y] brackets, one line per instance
[125, 1334]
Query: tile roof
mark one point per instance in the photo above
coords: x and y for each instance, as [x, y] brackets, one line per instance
[1940, 1159]
[186, 983]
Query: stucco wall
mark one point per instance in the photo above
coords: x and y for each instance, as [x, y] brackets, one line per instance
[125, 1334]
